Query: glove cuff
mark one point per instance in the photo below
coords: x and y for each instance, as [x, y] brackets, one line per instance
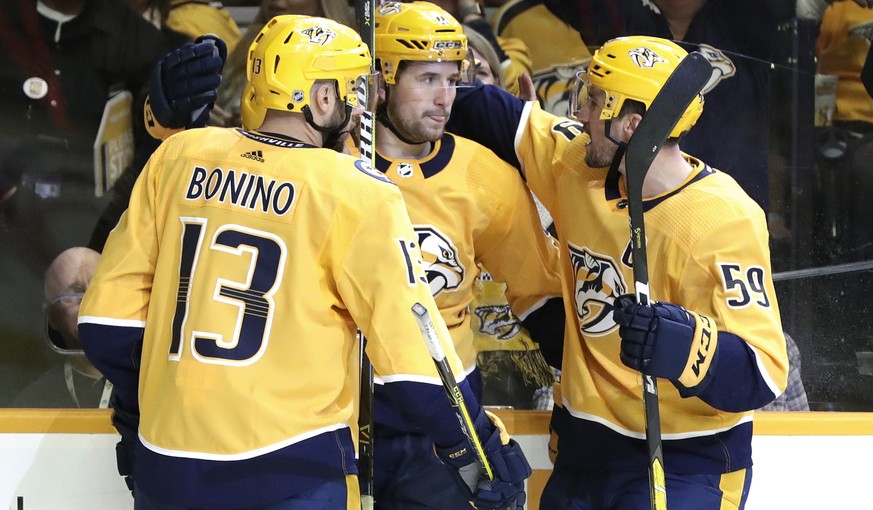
[695, 375]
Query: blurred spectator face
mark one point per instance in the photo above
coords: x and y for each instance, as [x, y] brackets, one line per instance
[65, 282]
[61, 316]
[482, 68]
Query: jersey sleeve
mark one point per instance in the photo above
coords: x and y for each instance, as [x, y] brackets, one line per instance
[381, 279]
[522, 134]
[516, 250]
[112, 316]
[488, 115]
[750, 368]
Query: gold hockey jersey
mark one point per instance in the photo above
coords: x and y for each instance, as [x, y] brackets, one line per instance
[468, 207]
[715, 261]
[243, 266]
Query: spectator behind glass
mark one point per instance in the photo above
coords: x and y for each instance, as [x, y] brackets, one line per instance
[75, 383]
[60, 61]
[556, 47]
[227, 111]
[486, 64]
[842, 47]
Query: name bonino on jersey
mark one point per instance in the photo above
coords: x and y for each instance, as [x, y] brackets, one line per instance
[242, 189]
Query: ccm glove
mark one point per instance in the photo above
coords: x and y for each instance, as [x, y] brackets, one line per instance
[184, 84]
[508, 465]
[665, 340]
[127, 424]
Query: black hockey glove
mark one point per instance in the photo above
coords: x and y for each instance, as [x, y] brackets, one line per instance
[665, 340]
[184, 84]
[508, 463]
[127, 424]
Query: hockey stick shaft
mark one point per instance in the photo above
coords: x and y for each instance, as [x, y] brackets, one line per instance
[686, 82]
[451, 386]
[366, 20]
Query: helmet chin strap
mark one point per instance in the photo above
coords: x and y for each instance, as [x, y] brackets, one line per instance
[330, 134]
[382, 117]
[607, 125]
[619, 151]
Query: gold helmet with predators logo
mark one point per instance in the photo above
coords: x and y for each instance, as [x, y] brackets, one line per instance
[636, 68]
[416, 31]
[291, 52]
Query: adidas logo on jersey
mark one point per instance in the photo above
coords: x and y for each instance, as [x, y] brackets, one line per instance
[255, 155]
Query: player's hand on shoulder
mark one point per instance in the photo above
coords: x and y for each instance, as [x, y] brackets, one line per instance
[509, 466]
[184, 83]
[665, 340]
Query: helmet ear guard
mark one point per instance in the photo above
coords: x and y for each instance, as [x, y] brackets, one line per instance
[634, 68]
[417, 31]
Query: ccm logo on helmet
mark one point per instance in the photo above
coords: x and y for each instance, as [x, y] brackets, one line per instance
[447, 45]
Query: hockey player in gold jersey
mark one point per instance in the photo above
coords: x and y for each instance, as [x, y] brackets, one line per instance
[225, 304]
[467, 208]
[710, 278]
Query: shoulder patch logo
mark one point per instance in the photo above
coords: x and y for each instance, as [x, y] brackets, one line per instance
[254, 155]
[598, 282]
[368, 169]
[440, 259]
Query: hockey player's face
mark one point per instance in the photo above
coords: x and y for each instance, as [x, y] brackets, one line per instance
[421, 100]
[600, 150]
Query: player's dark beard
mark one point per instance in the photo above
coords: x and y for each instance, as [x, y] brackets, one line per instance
[335, 130]
[410, 132]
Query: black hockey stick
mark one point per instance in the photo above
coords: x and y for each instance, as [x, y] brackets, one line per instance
[365, 11]
[686, 82]
[448, 378]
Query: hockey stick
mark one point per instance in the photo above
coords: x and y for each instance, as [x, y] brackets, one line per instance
[448, 378]
[661, 117]
[365, 11]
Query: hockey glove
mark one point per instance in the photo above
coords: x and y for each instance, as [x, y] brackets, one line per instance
[127, 424]
[665, 340]
[184, 84]
[508, 464]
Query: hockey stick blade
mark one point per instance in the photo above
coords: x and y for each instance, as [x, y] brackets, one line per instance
[425, 325]
[686, 82]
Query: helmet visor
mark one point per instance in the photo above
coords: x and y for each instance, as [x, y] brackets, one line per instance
[579, 94]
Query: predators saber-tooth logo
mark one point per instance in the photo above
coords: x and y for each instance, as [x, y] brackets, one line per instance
[497, 321]
[319, 35]
[722, 66]
[645, 57]
[598, 283]
[440, 259]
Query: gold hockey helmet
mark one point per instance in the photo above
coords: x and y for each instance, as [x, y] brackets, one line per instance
[291, 52]
[636, 68]
[417, 31]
